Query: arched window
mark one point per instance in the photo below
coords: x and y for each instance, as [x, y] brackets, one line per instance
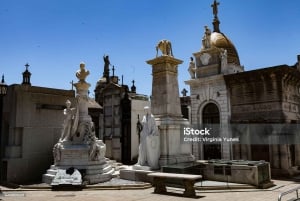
[211, 114]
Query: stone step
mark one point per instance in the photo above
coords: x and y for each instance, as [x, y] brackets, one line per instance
[99, 171]
[86, 167]
[135, 175]
[47, 178]
[99, 178]
[52, 171]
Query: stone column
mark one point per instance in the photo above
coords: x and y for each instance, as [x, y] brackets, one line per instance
[297, 150]
[165, 105]
[165, 92]
[275, 161]
[285, 159]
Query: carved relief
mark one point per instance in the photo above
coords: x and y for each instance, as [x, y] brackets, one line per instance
[205, 58]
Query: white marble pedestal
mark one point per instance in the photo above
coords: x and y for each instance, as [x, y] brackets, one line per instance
[77, 156]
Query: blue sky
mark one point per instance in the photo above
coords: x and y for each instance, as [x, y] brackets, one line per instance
[54, 36]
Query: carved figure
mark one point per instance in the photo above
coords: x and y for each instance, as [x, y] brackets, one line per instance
[149, 148]
[165, 47]
[57, 152]
[96, 147]
[82, 73]
[192, 68]
[206, 38]
[70, 122]
[106, 66]
[223, 56]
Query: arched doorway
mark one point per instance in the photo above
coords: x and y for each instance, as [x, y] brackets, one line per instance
[211, 115]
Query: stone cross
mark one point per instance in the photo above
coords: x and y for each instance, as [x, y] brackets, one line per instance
[215, 8]
[27, 65]
[72, 84]
[184, 92]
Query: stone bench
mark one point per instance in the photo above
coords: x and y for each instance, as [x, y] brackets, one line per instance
[188, 180]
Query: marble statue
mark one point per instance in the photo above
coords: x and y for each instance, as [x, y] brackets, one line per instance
[223, 56]
[82, 73]
[70, 122]
[57, 152]
[165, 47]
[206, 38]
[192, 68]
[149, 148]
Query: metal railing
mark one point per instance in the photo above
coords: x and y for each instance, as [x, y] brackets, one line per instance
[288, 192]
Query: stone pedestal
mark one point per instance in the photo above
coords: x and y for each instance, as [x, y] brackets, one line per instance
[78, 157]
[165, 105]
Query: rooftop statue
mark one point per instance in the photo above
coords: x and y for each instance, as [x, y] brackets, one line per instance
[106, 66]
[206, 38]
[165, 47]
[192, 68]
[82, 73]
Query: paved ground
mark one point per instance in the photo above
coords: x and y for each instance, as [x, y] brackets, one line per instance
[93, 194]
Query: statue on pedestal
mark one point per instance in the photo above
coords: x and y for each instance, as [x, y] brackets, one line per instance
[70, 122]
[192, 68]
[78, 146]
[149, 148]
[165, 47]
[82, 73]
[206, 38]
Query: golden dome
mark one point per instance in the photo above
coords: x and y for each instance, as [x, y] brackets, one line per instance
[221, 41]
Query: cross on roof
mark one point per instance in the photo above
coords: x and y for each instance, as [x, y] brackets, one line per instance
[27, 65]
[215, 8]
[184, 92]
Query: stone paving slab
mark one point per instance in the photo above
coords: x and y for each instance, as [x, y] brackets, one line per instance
[147, 194]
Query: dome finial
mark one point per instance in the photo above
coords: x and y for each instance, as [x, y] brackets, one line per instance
[215, 8]
[216, 21]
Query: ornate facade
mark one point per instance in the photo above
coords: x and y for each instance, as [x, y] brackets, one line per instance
[223, 93]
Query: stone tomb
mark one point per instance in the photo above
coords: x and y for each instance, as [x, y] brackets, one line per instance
[78, 148]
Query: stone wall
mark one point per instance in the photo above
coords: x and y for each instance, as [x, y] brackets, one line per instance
[32, 125]
[265, 95]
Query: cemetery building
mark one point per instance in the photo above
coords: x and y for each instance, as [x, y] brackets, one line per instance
[122, 110]
[221, 92]
[32, 124]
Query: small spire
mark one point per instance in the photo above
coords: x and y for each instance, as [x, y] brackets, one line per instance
[26, 76]
[133, 88]
[26, 66]
[113, 70]
[3, 87]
